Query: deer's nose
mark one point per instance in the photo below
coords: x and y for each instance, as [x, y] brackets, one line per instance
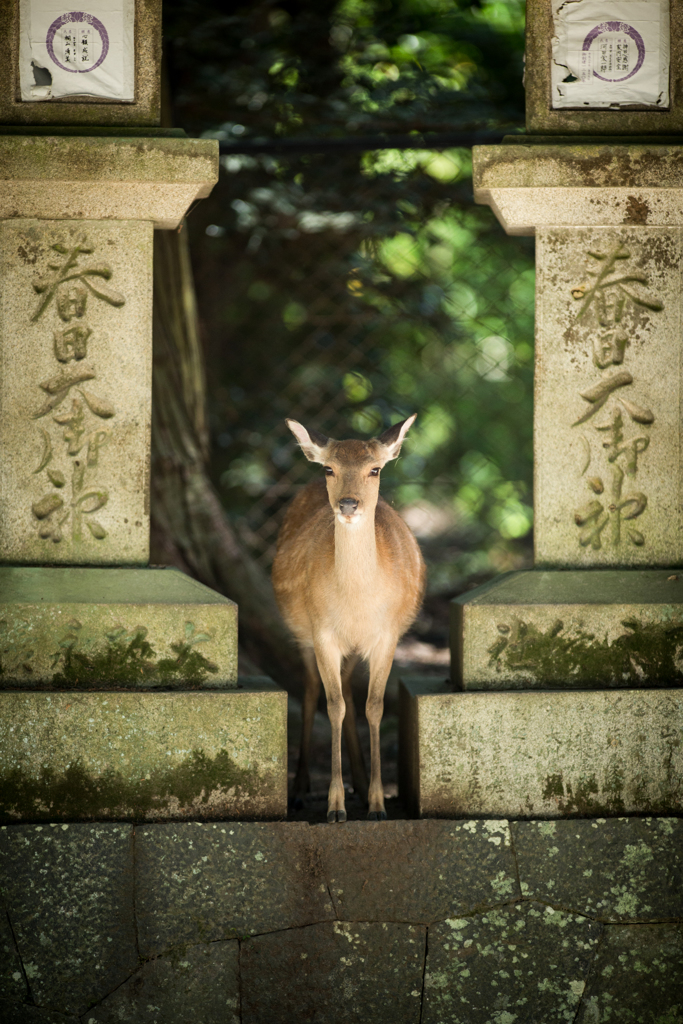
[347, 506]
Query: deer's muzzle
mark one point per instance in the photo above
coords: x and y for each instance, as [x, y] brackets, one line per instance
[347, 506]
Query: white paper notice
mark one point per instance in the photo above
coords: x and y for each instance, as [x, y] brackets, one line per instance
[610, 54]
[85, 52]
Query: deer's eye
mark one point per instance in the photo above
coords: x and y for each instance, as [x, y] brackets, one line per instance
[375, 471]
[328, 471]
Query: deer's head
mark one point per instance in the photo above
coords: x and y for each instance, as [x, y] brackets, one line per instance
[352, 468]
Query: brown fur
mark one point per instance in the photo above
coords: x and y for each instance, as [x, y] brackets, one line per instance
[348, 585]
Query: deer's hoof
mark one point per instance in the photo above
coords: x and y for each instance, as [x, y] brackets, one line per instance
[377, 815]
[333, 816]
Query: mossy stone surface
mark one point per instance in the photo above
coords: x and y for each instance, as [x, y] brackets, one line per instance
[100, 177]
[426, 871]
[27, 1013]
[82, 628]
[541, 754]
[637, 977]
[198, 984]
[345, 972]
[210, 882]
[78, 755]
[526, 962]
[612, 628]
[615, 870]
[68, 890]
[13, 989]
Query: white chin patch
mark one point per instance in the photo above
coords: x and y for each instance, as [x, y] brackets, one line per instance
[348, 520]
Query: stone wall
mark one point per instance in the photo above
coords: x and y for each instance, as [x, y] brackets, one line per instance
[439, 922]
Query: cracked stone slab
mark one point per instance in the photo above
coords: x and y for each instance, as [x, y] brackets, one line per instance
[623, 869]
[12, 983]
[25, 1013]
[69, 896]
[637, 976]
[416, 871]
[198, 984]
[204, 882]
[527, 962]
[334, 972]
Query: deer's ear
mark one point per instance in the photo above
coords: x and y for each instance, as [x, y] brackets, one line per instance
[393, 438]
[311, 442]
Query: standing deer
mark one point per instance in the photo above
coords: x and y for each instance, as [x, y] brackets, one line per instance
[349, 579]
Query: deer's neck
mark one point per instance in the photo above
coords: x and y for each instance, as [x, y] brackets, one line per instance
[355, 553]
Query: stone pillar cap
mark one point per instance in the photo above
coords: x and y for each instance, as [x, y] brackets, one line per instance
[563, 185]
[103, 178]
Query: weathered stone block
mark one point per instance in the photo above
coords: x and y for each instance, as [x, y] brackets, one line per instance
[416, 871]
[637, 976]
[144, 110]
[334, 972]
[141, 755]
[571, 630]
[75, 397]
[203, 883]
[57, 177]
[200, 984]
[68, 890]
[96, 628]
[534, 182]
[540, 754]
[524, 962]
[628, 869]
[607, 487]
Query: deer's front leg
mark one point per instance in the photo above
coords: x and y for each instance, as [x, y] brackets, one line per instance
[380, 666]
[329, 659]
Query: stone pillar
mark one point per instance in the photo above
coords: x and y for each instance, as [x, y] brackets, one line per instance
[80, 608]
[603, 609]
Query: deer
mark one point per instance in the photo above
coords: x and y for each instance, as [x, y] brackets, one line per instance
[349, 579]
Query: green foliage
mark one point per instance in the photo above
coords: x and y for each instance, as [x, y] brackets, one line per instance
[338, 68]
[349, 289]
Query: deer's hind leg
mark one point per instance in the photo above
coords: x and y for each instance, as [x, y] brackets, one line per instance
[309, 705]
[358, 772]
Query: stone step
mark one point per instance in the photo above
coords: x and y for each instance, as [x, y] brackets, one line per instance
[539, 754]
[578, 629]
[387, 922]
[101, 627]
[98, 755]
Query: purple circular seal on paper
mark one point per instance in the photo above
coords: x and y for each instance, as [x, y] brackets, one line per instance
[628, 30]
[67, 19]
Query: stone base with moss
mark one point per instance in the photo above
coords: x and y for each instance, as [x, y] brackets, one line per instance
[97, 628]
[540, 754]
[570, 630]
[93, 755]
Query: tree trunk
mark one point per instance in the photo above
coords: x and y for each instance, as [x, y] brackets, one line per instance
[189, 526]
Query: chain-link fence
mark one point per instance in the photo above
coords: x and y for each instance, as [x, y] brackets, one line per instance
[348, 291]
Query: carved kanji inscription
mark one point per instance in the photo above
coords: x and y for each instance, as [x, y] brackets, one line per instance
[608, 459]
[76, 419]
[75, 391]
